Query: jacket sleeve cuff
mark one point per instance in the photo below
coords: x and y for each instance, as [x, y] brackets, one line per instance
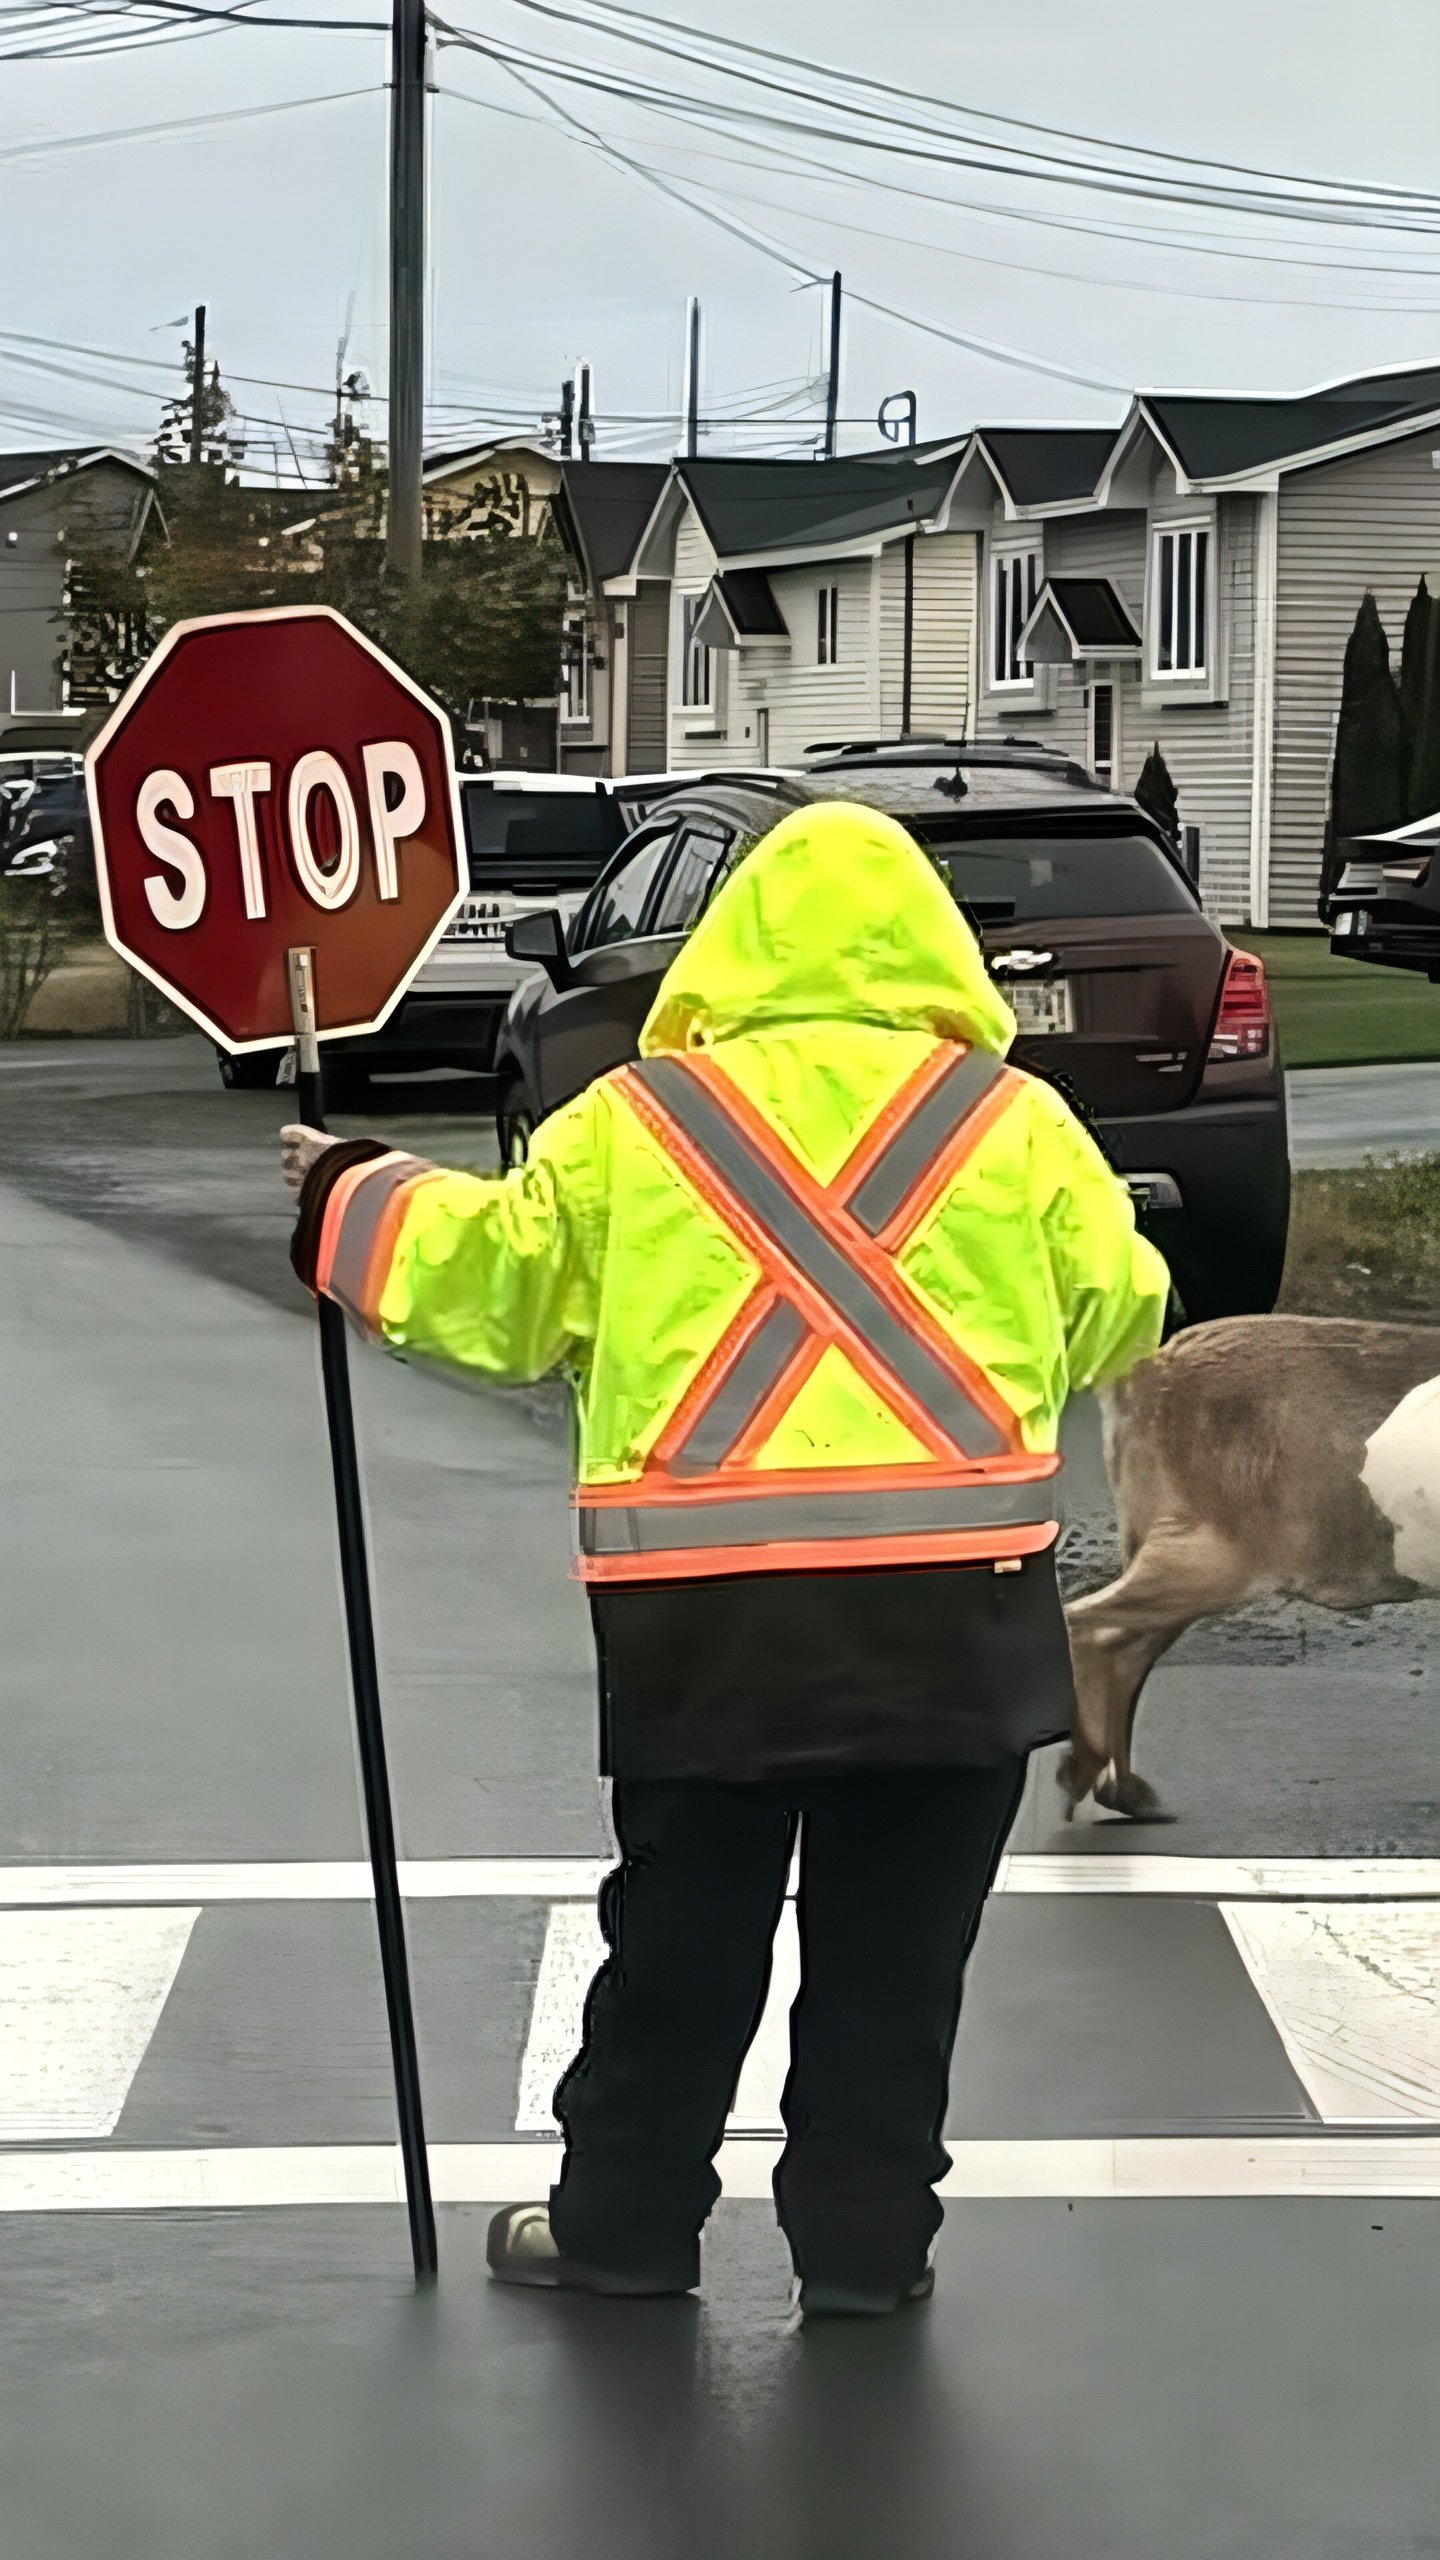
[315, 1192]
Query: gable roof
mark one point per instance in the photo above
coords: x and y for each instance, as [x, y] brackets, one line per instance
[739, 605]
[28, 469]
[460, 457]
[750, 508]
[604, 508]
[1081, 618]
[1047, 466]
[1222, 435]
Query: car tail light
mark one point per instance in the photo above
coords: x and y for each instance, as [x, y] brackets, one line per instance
[1243, 1024]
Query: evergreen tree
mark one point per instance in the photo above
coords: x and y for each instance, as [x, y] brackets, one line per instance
[1413, 649]
[1157, 794]
[1422, 767]
[1367, 789]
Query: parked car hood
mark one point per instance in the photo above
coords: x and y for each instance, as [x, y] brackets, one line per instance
[837, 915]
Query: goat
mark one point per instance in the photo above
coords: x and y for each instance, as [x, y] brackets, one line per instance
[1238, 1462]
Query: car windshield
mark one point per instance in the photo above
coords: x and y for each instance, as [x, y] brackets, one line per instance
[527, 838]
[1024, 878]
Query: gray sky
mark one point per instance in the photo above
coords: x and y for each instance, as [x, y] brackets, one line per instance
[543, 252]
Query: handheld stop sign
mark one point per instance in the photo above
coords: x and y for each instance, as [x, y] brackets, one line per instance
[278, 846]
[270, 782]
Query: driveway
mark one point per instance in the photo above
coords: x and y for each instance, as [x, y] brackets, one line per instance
[1340, 1115]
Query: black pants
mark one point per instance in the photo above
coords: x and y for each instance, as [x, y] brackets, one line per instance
[894, 1870]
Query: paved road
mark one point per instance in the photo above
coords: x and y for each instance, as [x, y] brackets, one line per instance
[1150, 2333]
[1339, 1115]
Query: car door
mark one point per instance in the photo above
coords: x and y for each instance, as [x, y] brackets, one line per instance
[616, 965]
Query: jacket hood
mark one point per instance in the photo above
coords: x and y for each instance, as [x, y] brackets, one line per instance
[836, 916]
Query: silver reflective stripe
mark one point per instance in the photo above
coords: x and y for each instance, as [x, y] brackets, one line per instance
[363, 1214]
[740, 1165]
[762, 1520]
[741, 1392]
[894, 1174]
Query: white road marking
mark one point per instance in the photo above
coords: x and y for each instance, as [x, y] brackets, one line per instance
[573, 1951]
[560, 1879]
[492, 2173]
[1354, 1990]
[80, 1997]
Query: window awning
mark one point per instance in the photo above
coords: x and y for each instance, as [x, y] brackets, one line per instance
[1075, 619]
[739, 606]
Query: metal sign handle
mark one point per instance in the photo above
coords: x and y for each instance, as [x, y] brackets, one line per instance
[364, 1674]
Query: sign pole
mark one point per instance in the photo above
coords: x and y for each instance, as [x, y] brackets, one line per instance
[364, 1674]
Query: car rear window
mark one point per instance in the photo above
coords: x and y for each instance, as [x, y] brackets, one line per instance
[1031, 878]
[520, 837]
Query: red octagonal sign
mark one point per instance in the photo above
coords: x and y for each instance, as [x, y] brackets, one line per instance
[272, 781]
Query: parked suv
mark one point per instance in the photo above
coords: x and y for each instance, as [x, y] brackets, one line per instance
[1128, 998]
[534, 840]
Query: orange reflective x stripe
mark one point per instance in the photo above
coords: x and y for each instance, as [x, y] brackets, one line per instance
[827, 1258]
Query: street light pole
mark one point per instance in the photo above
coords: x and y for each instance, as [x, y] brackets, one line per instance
[407, 284]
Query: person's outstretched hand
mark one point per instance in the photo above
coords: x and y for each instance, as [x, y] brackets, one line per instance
[299, 1148]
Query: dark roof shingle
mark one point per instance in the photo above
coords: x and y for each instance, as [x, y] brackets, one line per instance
[757, 506]
[609, 505]
[1214, 435]
[1045, 466]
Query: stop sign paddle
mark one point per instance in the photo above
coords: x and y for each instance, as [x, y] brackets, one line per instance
[271, 782]
[277, 845]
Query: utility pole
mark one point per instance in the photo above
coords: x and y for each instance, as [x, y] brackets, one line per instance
[832, 395]
[404, 520]
[585, 429]
[567, 419]
[692, 376]
[197, 390]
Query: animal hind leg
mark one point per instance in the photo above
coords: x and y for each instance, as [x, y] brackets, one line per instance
[1179, 1573]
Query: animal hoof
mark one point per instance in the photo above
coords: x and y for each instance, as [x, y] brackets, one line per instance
[1134, 1797]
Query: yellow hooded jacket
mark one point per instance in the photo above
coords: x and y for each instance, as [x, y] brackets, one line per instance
[832, 972]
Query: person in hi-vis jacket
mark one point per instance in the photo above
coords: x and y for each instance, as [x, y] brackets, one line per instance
[822, 1270]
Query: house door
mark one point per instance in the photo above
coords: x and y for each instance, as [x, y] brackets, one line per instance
[762, 734]
[649, 671]
[1104, 757]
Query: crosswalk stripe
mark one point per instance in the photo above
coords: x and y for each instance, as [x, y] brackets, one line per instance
[559, 1879]
[493, 2173]
[1354, 1991]
[81, 1994]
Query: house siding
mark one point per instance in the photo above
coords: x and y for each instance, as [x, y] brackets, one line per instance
[695, 747]
[809, 702]
[104, 502]
[1210, 747]
[1369, 520]
[945, 597]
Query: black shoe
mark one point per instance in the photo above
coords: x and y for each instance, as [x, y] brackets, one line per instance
[521, 2249]
[817, 2300]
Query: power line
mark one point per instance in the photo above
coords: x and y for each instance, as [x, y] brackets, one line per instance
[599, 11]
[1323, 211]
[796, 266]
[179, 124]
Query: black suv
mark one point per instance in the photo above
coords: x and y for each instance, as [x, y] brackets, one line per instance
[1128, 998]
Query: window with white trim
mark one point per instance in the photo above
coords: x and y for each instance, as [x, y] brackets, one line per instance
[697, 667]
[827, 633]
[575, 702]
[1180, 602]
[1014, 588]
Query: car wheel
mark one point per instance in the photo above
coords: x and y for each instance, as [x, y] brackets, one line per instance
[514, 1123]
[255, 1072]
